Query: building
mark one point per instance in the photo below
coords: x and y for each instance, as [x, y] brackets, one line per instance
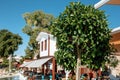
[44, 64]
[47, 45]
[115, 41]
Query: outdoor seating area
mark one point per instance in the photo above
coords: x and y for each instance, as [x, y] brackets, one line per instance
[34, 75]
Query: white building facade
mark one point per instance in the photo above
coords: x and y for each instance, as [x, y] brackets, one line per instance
[47, 44]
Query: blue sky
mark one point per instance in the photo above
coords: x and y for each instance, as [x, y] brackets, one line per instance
[11, 14]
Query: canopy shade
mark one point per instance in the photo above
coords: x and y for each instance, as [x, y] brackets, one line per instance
[116, 2]
[25, 64]
[38, 63]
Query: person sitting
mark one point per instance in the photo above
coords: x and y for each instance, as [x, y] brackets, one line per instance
[72, 75]
[85, 76]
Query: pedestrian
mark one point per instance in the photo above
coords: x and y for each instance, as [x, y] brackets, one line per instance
[90, 75]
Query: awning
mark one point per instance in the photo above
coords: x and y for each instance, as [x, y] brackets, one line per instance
[25, 64]
[38, 63]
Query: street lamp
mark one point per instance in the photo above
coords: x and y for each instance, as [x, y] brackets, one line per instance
[100, 3]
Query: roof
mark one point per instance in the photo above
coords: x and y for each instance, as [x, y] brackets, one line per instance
[36, 63]
[115, 2]
[25, 64]
[115, 30]
[42, 35]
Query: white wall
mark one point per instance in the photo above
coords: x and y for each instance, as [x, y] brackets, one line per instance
[52, 45]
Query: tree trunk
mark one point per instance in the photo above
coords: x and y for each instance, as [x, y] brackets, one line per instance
[10, 61]
[78, 70]
[67, 74]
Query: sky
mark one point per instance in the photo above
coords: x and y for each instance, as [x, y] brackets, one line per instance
[11, 14]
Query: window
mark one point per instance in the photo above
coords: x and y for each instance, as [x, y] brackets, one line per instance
[42, 46]
[45, 44]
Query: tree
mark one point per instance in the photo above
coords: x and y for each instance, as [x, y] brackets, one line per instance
[35, 23]
[9, 42]
[82, 37]
[29, 53]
